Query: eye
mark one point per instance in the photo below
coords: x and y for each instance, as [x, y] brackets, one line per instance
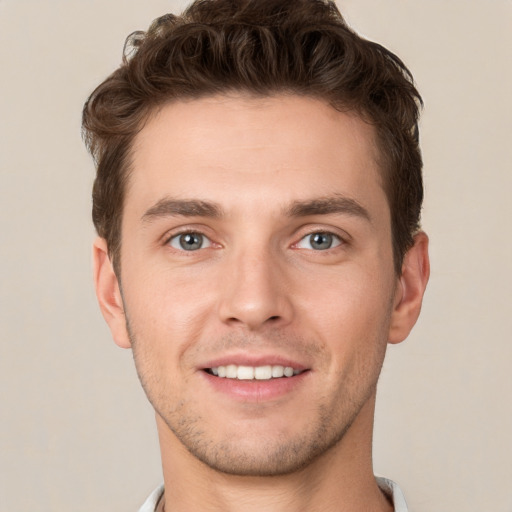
[319, 241]
[189, 242]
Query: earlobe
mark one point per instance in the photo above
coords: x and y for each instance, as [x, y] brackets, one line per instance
[109, 294]
[410, 289]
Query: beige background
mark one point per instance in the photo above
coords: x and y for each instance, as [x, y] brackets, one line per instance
[76, 433]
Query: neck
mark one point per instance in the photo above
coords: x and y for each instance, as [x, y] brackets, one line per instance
[340, 480]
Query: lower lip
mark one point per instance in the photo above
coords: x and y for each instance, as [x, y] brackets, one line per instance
[256, 390]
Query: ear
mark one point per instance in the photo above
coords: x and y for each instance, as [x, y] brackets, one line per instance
[109, 293]
[410, 289]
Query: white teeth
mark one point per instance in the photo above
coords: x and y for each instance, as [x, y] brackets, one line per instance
[277, 371]
[263, 372]
[232, 371]
[245, 373]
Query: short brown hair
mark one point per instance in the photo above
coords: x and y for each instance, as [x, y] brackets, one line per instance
[262, 47]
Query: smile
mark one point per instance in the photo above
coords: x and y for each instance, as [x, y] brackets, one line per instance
[267, 372]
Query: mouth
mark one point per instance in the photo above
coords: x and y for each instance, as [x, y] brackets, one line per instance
[255, 378]
[266, 372]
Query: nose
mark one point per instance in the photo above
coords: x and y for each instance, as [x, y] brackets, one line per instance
[255, 292]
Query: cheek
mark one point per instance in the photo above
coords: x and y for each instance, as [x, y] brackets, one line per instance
[164, 323]
[350, 312]
[167, 311]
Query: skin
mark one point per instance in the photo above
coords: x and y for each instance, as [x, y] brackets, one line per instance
[270, 170]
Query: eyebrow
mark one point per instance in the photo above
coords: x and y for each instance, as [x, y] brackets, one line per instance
[170, 207]
[167, 207]
[328, 205]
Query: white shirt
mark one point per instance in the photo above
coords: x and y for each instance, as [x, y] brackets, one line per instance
[388, 486]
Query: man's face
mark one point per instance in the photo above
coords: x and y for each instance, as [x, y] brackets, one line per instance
[256, 241]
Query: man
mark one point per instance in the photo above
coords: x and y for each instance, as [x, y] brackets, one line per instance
[257, 202]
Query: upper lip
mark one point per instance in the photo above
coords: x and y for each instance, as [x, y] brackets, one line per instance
[254, 360]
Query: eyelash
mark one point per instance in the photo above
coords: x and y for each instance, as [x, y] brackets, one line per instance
[173, 236]
[340, 240]
[336, 239]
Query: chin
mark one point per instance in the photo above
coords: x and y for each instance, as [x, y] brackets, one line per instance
[271, 461]
[254, 454]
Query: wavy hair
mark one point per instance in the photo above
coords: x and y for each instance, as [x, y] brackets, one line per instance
[261, 47]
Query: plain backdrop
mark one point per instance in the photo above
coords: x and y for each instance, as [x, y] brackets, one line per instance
[76, 432]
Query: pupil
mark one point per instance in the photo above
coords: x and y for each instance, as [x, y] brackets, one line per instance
[191, 241]
[321, 241]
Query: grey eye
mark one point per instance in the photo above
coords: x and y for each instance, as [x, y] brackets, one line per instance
[319, 241]
[189, 242]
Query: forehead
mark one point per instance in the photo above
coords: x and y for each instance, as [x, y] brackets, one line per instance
[241, 148]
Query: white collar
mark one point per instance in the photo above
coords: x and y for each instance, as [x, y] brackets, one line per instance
[387, 486]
